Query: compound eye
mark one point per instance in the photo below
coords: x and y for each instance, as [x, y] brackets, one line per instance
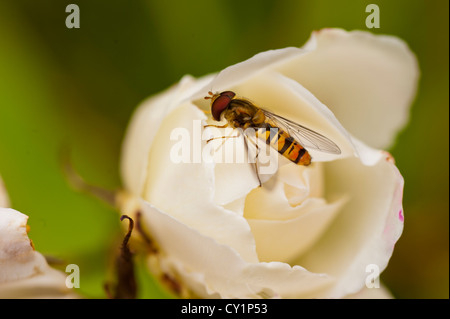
[230, 94]
[221, 103]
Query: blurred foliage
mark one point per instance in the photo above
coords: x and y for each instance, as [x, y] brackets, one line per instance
[77, 88]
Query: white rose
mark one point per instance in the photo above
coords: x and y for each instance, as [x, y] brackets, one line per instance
[308, 232]
[24, 272]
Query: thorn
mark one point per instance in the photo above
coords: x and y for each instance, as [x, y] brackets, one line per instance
[77, 182]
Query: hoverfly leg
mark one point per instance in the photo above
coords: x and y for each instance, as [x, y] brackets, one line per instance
[215, 138]
[223, 141]
[219, 137]
[256, 157]
[224, 137]
[256, 165]
[218, 126]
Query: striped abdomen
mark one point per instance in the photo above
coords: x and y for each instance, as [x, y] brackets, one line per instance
[284, 144]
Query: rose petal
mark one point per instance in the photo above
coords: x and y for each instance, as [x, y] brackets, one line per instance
[48, 285]
[143, 127]
[17, 257]
[283, 231]
[186, 190]
[284, 196]
[372, 293]
[241, 72]
[284, 240]
[366, 230]
[380, 72]
[286, 281]
[203, 261]
[367, 80]
[230, 172]
[25, 272]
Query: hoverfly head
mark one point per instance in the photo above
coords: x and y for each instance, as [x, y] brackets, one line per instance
[219, 102]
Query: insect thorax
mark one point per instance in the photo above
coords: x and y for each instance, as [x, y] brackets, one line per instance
[243, 114]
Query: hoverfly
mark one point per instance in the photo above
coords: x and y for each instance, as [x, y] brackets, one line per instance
[291, 139]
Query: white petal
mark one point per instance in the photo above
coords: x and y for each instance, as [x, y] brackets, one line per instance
[186, 190]
[380, 292]
[357, 75]
[203, 261]
[284, 230]
[368, 81]
[286, 281]
[287, 194]
[284, 240]
[48, 285]
[240, 174]
[239, 73]
[17, 257]
[24, 273]
[143, 127]
[366, 230]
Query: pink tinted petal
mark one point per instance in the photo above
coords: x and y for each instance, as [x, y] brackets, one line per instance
[203, 261]
[367, 228]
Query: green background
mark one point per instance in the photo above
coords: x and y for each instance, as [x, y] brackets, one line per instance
[77, 88]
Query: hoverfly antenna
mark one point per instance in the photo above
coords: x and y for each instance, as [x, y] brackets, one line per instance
[209, 97]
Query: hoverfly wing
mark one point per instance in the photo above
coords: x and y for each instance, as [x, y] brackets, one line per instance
[260, 155]
[308, 138]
